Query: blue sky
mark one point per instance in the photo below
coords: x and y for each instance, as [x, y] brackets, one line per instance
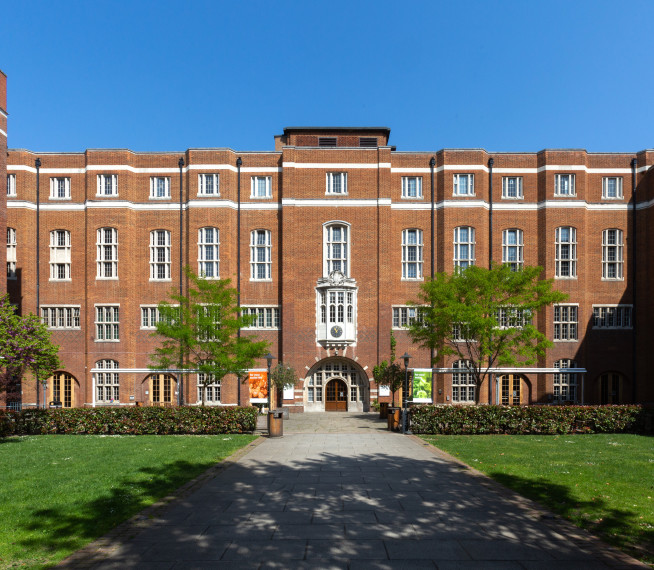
[505, 76]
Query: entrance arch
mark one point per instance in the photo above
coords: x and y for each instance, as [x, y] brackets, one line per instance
[336, 395]
[354, 386]
[162, 389]
[63, 387]
[514, 390]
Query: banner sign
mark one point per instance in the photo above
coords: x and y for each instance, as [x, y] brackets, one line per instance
[422, 386]
[258, 382]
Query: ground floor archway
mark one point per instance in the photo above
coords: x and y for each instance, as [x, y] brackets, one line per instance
[514, 390]
[63, 387]
[161, 390]
[336, 384]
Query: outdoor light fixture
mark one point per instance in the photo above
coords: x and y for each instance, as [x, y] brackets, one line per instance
[405, 411]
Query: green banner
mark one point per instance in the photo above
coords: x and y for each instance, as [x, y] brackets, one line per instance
[422, 386]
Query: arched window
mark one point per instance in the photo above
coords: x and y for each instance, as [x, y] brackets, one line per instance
[336, 249]
[463, 382]
[612, 254]
[260, 255]
[160, 255]
[107, 248]
[565, 383]
[107, 382]
[412, 254]
[208, 253]
[566, 252]
[512, 249]
[464, 246]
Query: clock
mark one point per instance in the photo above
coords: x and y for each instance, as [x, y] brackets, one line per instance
[336, 331]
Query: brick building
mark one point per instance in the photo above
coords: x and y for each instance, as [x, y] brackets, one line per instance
[335, 230]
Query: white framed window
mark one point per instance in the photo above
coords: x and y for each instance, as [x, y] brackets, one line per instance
[160, 255]
[564, 185]
[464, 246]
[107, 250]
[412, 254]
[107, 185]
[411, 186]
[260, 255]
[336, 183]
[512, 248]
[150, 316]
[159, 187]
[512, 187]
[11, 253]
[464, 184]
[460, 332]
[11, 185]
[566, 253]
[208, 185]
[612, 187]
[107, 323]
[209, 388]
[612, 317]
[463, 382]
[566, 322]
[512, 317]
[107, 382]
[264, 317]
[337, 248]
[209, 253]
[612, 254]
[405, 316]
[565, 383]
[60, 251]
[261, 187]
[60, 188]
[62, 317]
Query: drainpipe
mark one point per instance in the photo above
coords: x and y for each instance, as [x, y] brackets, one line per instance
[239, 163]
[490, 212]
[634, 313]
[432, 163]
[37, 163]
[180, 387]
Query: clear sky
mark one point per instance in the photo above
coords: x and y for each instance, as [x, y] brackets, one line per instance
[517, 75]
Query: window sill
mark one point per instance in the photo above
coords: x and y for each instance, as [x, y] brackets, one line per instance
[167, 280]
[513, 197]
[414, 279]
[613, 198]
[60, 280]
[58, 199]
[609, 279]
[565, 340]
[261, 280]
[565, 278]
[106, 195]
[260, 197]
[565, 195]
[335, 193]
[208, 195]
[412, 197]
[106, 278]
[160, 198]
[103, 340]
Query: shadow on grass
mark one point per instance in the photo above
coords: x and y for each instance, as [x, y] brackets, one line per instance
[620, 527]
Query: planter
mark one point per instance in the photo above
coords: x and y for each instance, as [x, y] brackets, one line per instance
[383, 410]
[393, 419]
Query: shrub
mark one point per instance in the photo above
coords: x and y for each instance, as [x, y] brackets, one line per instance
[514, 420]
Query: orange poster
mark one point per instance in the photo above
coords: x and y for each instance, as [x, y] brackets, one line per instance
[258, 381]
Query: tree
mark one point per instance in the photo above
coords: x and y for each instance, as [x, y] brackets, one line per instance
[485, 317]
[25, 347]
[389, 373]
[199, 332]
[282, 376]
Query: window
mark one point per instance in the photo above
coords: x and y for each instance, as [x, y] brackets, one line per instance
[612, 187]
[368, 142]
[461, 332]
[11, 253]
[208, 253]
[160, 255]
[512, 249]
[264, 317]
[464, 246]
[260, 256]
[411, 186]
[512, 317]
[337, 183]
[566, 252]
[107, 185]
[612, 317]
[107, 246]
[208, 185]
[208, 389]
[11, 184]
[107, 383]
[412, 254]
[565, 383]
[60, 255]
[463, 382]
[150, 316]
[464, 184]
[512, 187]
[405, 316]
[564, 184]
[336, 249]
[261, 187]
[566, 321]
[66, 317]
[612, 250]
[326, 141]
[159, 187]
[106, 323]
[60, 188]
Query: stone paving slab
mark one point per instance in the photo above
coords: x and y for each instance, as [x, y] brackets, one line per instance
[350, 495]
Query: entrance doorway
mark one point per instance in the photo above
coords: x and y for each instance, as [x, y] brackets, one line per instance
[162, 388]
[510, 390]
[336, 396]
[610, 388]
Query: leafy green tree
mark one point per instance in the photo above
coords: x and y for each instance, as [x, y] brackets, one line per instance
[199, 332]
[485, 317]
[282, 376]
[25, 347]
[389, 373]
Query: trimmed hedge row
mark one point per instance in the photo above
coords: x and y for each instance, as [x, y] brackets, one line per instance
[130, 421]
[515, 420]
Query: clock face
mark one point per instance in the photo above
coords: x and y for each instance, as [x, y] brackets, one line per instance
[336, 331]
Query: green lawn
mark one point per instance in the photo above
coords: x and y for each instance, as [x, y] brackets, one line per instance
[604, 483]
[59, 492]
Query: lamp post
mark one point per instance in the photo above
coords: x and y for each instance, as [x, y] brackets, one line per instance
[405, 401]
[269, 358]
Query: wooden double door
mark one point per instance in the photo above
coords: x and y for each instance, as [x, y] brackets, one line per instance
[510, 390]
[336, 396]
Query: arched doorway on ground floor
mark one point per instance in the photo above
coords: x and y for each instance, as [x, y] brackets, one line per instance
[336, 384]
[611, 387]
[161, 390]
[63, 387]
[514, 390]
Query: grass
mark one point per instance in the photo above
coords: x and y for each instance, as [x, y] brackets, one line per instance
[603, 483]
[57, 493]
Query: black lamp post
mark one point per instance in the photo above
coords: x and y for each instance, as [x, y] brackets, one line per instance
[269, 358]
[405, 401]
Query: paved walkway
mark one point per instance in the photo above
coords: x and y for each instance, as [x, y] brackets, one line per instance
[338, 491]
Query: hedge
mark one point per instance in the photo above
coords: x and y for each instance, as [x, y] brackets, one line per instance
[130, 421]
[516, 420]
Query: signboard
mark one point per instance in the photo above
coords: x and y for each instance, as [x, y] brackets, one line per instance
[258, 382]
[384, 391]
[289, 393]
[422, 386]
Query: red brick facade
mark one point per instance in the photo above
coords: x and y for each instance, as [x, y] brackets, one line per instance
[370, 206]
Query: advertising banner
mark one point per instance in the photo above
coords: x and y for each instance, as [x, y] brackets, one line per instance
[258, 382]
[422, 386]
